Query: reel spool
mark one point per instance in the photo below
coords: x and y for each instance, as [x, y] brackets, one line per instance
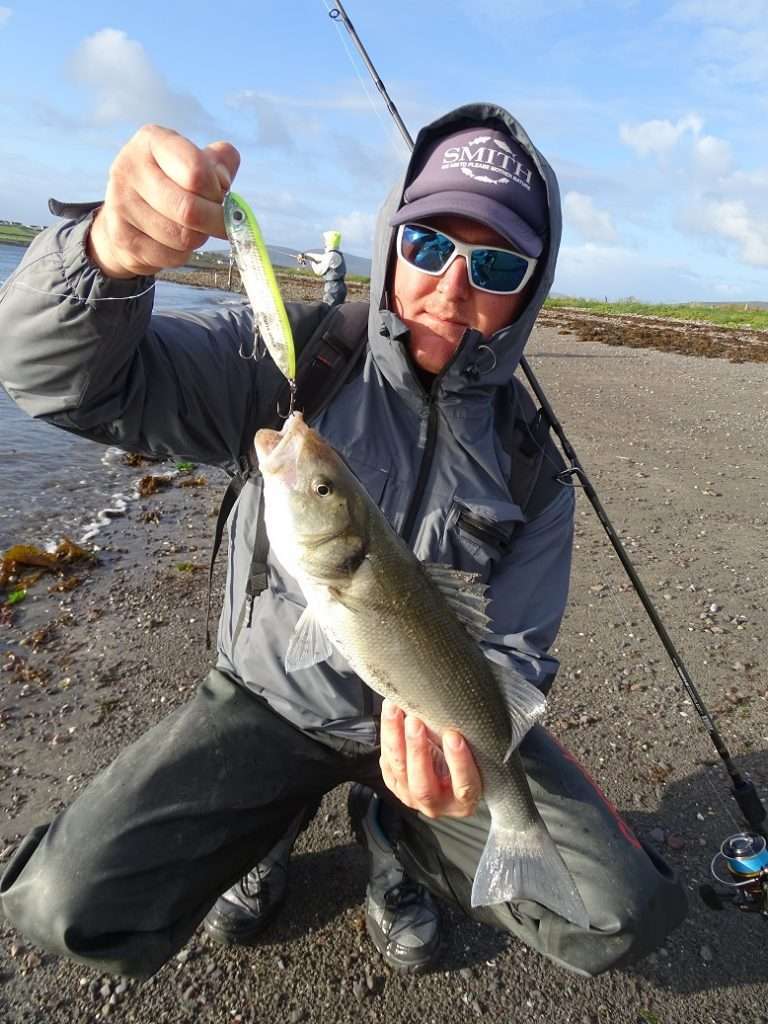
[741, 867]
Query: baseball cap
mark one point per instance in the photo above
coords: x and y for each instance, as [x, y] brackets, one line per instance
[485, 174]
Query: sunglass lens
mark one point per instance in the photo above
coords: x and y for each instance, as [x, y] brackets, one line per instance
[498, 271]
[425, 249]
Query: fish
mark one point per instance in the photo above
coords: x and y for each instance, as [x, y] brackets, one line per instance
[270, 318]
[410, 631]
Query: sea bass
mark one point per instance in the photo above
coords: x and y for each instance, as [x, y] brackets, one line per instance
[410, 632]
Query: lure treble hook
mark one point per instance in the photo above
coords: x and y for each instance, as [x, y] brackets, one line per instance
[291, 401]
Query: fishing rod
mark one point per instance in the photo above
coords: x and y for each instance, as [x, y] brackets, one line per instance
[744, 857]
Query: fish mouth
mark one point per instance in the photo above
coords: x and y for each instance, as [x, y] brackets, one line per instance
[274, 448]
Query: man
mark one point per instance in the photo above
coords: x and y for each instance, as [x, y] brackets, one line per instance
[331, 266]
[196, 820]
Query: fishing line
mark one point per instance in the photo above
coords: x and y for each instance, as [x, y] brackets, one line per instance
[386, 126]
[10, 285]
[13, 282]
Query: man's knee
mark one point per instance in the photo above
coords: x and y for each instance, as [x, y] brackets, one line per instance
[629, 918]
[55, 904]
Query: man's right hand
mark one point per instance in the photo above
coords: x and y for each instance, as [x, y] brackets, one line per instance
[164, 200]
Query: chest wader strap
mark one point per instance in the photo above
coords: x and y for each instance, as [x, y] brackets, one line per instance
[234, 487]
[257, 571]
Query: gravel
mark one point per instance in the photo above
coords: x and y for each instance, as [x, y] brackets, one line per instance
[676, 448]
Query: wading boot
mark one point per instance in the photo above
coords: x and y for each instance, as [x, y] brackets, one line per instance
[241, 913]
[400, 915]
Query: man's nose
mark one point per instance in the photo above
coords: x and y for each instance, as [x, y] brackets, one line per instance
[455, 281]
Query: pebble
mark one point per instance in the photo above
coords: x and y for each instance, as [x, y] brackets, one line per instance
[658, 835]
[706, 954]
[675, 842]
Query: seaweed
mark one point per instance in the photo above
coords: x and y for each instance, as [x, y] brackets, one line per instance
[19, 556]
[150, 484]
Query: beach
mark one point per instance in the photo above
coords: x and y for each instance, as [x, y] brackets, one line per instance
[677, 447]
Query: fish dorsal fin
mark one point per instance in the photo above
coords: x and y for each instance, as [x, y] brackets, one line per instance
[525, 703]
[465, 593]
[309, 644]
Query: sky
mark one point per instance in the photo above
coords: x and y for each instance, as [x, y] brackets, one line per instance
[652, 114]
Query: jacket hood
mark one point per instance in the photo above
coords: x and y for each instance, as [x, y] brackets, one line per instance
[471, 366]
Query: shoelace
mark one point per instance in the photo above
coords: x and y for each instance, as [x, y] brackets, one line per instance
[259, 890]
[404, 894]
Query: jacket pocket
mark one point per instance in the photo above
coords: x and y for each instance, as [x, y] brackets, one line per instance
[479, 534]
[374, 479]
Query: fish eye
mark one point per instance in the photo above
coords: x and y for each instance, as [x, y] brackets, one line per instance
[322, 487]
[238, 215]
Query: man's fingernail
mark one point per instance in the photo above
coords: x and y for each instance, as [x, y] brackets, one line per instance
[388, 709]
[453, 740]
[413, 727]
[225, 179]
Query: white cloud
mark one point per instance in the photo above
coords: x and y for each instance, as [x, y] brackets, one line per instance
[273, 128]
[599, 270]
[5, 13]
[592, 224]
[733, 221]
[127, 87]
[713, 154]
[357, 230]
[658, 137]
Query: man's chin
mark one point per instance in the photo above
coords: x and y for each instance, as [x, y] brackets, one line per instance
[430, 351]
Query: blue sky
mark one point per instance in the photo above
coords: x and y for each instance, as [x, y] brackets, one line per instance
[653, 114]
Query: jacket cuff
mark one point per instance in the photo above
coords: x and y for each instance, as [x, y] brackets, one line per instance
[83, 277]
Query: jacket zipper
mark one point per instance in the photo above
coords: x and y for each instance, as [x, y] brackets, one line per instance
[424, 471]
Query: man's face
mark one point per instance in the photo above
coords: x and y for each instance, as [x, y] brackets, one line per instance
[437, 310]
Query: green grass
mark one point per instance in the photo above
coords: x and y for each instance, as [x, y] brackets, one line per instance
[16, 234]
[724, 316]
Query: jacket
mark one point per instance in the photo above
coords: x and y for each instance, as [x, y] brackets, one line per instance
[173, 384]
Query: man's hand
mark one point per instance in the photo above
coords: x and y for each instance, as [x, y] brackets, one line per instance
[163, 201]
[434, 785]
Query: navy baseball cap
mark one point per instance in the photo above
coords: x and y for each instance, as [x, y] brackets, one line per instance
[485, 174]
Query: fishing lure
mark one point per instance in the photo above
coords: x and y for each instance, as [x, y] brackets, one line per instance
[270, 318]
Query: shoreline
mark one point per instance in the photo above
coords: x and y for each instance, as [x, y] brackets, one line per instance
[293, 287]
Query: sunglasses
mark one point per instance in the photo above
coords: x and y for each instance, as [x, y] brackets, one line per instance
[500, 271]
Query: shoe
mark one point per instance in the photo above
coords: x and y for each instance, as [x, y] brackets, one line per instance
[400, 915]
[241, 913]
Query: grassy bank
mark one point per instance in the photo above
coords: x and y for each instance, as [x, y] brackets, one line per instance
[16, 234]
[724, 316]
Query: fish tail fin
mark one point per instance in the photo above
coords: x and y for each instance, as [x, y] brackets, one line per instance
[527, 865]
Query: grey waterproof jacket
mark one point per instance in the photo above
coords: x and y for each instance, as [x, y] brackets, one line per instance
[173, 384]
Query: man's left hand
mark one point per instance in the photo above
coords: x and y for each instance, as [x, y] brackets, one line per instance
[447, 784]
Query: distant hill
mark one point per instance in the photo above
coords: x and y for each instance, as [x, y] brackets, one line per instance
[284, 257]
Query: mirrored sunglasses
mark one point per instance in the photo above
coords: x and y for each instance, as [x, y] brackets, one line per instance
[500, 271]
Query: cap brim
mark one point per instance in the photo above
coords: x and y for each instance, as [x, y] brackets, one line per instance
[467, 204]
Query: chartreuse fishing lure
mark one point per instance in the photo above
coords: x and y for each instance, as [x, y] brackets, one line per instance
[270, 318]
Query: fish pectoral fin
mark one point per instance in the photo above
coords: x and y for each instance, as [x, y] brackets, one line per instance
[525, 703]
[309, 644]
[465, 593]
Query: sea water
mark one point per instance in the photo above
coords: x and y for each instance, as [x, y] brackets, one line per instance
[53, 483]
